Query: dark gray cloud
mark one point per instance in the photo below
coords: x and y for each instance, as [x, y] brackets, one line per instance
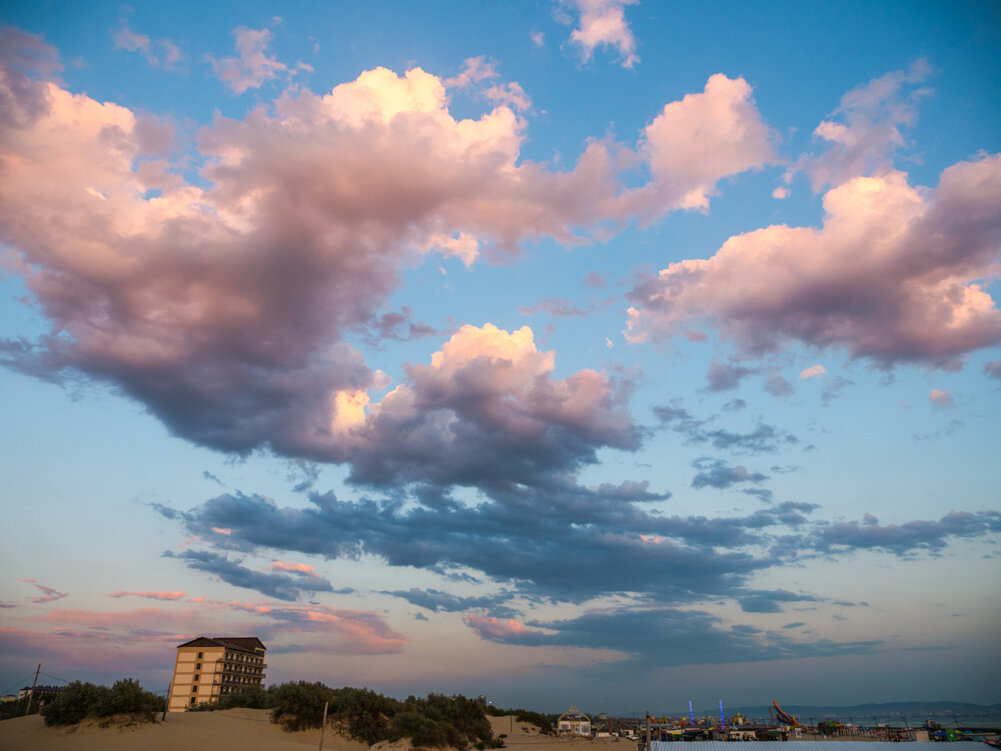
[716, 473]
[762, 439]
[562, 541]
[212, 478]
[437, 601]
[770, 600]
[397, 326]
[664, 636]
[833, 389]
[563, 307]
[776, 385]
[947, 430]
[992, 369]
[734, 405]
[280, 585]
[725, 376]
[907, 538]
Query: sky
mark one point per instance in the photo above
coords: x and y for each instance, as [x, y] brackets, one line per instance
[583, 352]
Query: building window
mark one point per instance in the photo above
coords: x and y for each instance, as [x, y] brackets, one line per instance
[199, 655]
[194, 689]
[198, 666]
[196, 676]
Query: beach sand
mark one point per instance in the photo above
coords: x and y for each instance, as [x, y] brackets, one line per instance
[241, 730]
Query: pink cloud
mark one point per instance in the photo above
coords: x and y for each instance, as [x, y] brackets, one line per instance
[474, 70]
[155, 293]
[603, 23]
[868, 128]
[222, 530]
[150, 595]
[814, 371]
[253, 68]
[344, 631]
[483, 384]
[893, 275]
[498, 629]
[941, 398]
[694, 143]
[75, 651]
[168, 57]
[296, 568]
[48, 593]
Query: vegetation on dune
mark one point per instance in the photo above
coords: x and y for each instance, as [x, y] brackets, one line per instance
[432, 722]
[435, 721]
[9, 709]
[79, 701]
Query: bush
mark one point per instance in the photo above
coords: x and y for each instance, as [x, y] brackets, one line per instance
[422, 731]
[81, 700]
[10, 709]
[369, 717]
[297, 706]
[252, 697]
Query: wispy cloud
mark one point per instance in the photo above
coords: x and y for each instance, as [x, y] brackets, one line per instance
[167, 596]
[253, 67]
[48, 593]
[162, 53]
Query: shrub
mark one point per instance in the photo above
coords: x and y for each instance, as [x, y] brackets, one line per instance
[252, 697]
[10, 709]
[74, 703]
[81, 700]
[297, 706]
[366, 716]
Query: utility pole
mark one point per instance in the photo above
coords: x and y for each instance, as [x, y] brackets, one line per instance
[323, 727]
[32, 692]
[166, 702]
[648, 746]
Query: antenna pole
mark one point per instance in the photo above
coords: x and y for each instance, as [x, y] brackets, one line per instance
[32, 692]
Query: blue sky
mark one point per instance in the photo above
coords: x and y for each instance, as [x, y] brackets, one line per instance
[580, 352]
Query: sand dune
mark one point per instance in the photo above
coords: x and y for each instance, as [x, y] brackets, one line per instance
[238, 730]
[232, 729]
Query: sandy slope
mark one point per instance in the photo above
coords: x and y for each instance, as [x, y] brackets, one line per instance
[229, 730]
[241, 730]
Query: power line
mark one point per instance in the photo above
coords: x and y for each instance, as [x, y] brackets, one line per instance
[19, 683]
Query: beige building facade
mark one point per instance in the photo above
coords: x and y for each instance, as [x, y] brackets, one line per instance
[207, 668]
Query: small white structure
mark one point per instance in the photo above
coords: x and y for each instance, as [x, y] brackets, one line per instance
[574, 722]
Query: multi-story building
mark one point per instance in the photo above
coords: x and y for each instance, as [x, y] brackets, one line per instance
[207, 668]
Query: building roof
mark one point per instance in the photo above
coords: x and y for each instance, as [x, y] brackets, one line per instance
[240, 643]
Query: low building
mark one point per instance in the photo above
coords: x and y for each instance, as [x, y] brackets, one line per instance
[207, 668]
[40, 693]
[574, 722]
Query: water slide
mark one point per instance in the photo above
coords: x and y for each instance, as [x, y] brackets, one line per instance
[785, 719]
